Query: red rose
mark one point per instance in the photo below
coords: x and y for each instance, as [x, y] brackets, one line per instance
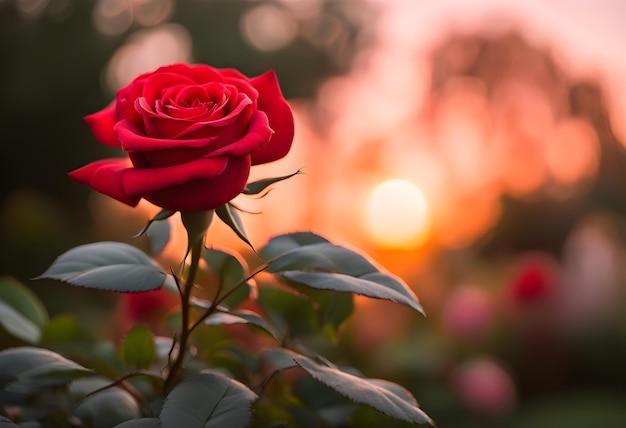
[191, 133]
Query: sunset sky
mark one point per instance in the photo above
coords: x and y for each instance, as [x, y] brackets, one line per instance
[458, 169]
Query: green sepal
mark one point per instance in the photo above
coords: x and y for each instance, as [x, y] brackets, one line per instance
[228, 214]
[161, 215]
[257, 187]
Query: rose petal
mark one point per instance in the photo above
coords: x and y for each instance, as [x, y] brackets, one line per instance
[158, 123]
[106, 176]
[161, 126]
[143, 180]
[180, 67]
[169, 94]
[232, 72]
[189, 96]
[205, 194]
[157, 83]
[132, 140]
[258, 134]
[203, 73]
[168, 157]
[280, 118]
[126, 96]
[242, 83]
[125, 102]
[102, 123]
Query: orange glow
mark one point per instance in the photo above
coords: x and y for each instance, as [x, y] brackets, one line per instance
[573, 150]
[397, 215]
[461, 219]
[419, 103]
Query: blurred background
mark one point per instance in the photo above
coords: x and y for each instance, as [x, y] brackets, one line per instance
[476, 149]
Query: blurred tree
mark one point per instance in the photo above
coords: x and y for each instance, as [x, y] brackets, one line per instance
[510, 68]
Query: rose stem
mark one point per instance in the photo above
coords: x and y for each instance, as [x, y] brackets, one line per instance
[176, 368]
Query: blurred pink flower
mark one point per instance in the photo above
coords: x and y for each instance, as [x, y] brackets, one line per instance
[485, 388]
[468, 312]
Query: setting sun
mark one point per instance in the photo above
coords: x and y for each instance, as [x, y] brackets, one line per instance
[397, 215]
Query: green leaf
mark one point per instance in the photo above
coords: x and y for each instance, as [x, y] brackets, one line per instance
[283, 243]
[159, 236]
[161, 215]
[290, 314]
[386, 397]
[334, 310]
[64, 329]
[309, 311]
[325, 257]
[105, 408]
[377, 286]
[240, 317]
[257, 187]
[279, 359]
[111, 266]
[229, 271]
[325, 402]
[228, 214]
[23, 300]
[140, 423]
[18, 325]
[207, 400]
[26, 369]
[138, 349]
[311, 260]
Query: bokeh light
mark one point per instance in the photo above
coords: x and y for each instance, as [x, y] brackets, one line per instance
[114, 17]
[147, 50]
[268, 27]
[32, 7]
[397, 215]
